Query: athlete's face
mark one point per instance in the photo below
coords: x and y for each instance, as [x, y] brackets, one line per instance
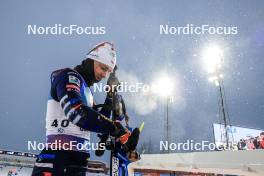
[101, 70]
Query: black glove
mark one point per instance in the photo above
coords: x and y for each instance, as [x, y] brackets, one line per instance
[103, 138]
[119, 130]
[132, 141]
[128, 140]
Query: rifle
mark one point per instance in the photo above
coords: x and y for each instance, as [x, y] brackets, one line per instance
[118, 157]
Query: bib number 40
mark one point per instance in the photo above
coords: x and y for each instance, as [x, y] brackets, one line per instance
[64, 123]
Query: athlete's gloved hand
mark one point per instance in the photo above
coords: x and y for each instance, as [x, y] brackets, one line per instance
[128, 140]
[132, 141]
[103, 139]
[119, 131]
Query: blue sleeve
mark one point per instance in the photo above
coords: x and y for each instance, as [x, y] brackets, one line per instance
[66, 87]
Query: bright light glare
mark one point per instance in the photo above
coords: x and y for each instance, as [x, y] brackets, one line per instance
[215, 80]
[163, 86]
[212, 58]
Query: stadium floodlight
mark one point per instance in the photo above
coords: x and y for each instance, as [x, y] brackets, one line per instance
[215, 79]
[163, 86]
[212, 58]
